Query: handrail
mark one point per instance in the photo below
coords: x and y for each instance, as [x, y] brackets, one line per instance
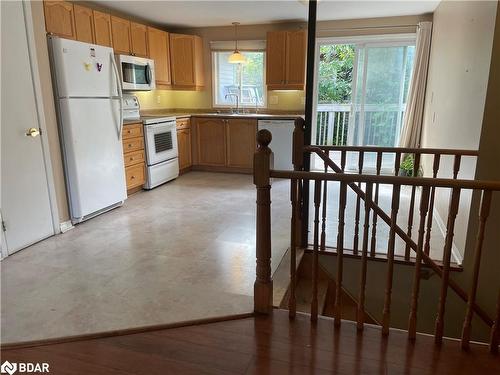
[401, 150]
[263, 174]
[390, 180]
[351, 179]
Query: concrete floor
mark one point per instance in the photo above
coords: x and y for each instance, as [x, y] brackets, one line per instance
[183, 251]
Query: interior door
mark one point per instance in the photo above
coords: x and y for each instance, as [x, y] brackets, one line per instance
[25, 202]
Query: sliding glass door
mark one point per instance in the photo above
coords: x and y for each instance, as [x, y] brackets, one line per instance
[361, 93]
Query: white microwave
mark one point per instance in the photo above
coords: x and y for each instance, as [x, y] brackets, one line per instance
[136, 73]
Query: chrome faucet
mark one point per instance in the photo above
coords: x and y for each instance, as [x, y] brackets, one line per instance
[237, 102]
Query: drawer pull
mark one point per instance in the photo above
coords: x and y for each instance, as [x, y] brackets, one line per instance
[131, 159]
[130, 145]
[132, 177]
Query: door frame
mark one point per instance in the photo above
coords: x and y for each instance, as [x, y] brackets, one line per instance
[37, 91]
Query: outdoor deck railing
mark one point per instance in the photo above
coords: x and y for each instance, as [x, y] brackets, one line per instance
[379, 123]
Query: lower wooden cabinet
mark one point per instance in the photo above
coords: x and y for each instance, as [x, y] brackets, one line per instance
[226, 144]
[135, 176]
[211, 141]
[240, 142]
[184, 148]
[133, 156]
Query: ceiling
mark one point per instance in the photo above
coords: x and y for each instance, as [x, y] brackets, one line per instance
[218, 13]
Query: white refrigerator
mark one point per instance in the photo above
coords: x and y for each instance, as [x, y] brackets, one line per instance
[89, 103]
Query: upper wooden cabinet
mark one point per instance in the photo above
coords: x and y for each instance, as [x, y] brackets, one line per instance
[286, 60]
[120, 29]
[159, 51]
[84, 24]
[186, 56]
[102, 29]
[139, 38]
[60, 18]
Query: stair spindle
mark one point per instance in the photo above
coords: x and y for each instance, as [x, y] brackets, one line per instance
[412, 321]
[340, 254]
[483, 216]
[495, 329]
[364, 257]
[375, 216]
[416, 167]
[397, 163]
[323, 213]
[314, 300]
[386, 315]
[456, 166]
[450, 227]
[292, 302]
[343, 156]
[435, 169]
[361, 158]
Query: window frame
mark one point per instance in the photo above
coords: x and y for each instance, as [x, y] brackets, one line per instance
[213, 57]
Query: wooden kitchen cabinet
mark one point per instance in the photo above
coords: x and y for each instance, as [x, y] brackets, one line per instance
[224, 144]
[184, 148]
[186, 57]
[84, 24]
[102, 29]
[120, 29]
[60, 18]
[133, 156]
[286, 60]
[240, 142]
[139, 39]
[211, 141]
[159, 51]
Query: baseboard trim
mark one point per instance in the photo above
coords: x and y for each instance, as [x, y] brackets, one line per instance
[442, 228]
[221, 169]
[66, 226]
[122, 332]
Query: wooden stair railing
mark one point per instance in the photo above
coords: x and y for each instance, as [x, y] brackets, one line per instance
[263, 173]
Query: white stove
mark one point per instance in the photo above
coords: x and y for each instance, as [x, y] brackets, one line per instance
[160, 139]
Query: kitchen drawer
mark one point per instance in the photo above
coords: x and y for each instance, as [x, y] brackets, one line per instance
[135, 175]
[133, 144]
[133, 157]
[183, 123]
[132, 130]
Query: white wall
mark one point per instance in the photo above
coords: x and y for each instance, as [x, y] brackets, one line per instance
[456, 90]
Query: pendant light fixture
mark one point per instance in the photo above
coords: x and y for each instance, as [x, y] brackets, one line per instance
[236, 57]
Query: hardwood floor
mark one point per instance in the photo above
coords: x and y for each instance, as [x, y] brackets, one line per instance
[261, 345]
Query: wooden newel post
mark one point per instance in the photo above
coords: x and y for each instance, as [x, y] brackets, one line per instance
[298, 165]
[262, 164]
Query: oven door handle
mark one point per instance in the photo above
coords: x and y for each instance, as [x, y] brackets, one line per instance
[120, 94]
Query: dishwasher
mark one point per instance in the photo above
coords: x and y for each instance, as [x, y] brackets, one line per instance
[281, 144]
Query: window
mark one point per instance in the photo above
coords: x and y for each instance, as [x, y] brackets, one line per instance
[245, 80]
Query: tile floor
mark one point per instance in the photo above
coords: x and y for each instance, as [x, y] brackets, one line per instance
[183, 251]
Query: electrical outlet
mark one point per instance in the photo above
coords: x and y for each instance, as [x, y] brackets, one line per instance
[273, 99]
[158, 99]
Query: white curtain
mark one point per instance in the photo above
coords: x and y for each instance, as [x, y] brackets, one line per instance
[412, 122]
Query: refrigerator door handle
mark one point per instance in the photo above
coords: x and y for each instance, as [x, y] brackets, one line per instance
[120, 94]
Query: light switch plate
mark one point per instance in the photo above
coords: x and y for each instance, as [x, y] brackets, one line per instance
[273, 99]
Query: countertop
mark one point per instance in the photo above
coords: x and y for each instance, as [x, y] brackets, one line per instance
[257, 116]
